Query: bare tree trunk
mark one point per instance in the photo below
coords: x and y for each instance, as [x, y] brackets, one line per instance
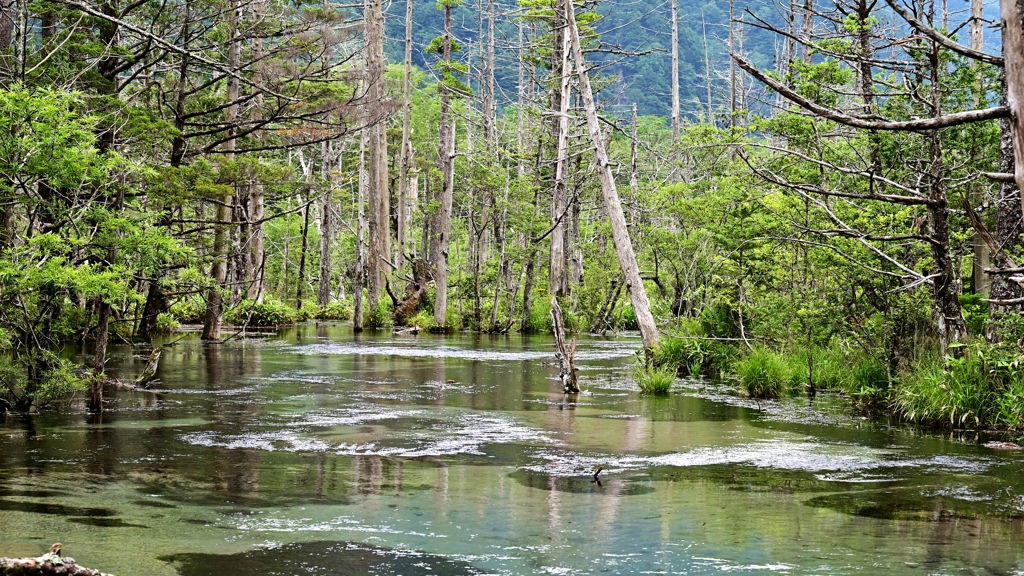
[707, 69]
[323, 294]
[405, 158]
[446, 164]
[634, 163]
[805, 36]
[1009, 233]
[360, 279]
[566, 353]
[945, 280]
[558, 282]
[732, 66]
[675, 73]
[981, 282]
[1011, 15]
[620, 233]
[300, 287]
[378, 196]
[221, 240]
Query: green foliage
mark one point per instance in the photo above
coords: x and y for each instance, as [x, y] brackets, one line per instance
[693, 356]
[166, 323]
[48, 379]
[190, 310]
[654, 379]
[269, 313]
[765, 374]
[975, 313]
[382, 316]
[337, 310]
[958, 393]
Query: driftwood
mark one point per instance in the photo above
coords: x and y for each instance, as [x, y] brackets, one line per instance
[566, 354]
[50, 563]
[412, 303]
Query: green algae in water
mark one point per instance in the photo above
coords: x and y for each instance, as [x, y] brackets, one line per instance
[319, 559]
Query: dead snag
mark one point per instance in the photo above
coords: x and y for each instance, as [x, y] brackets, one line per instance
[150, 372]
[566, 354]
[418, 291]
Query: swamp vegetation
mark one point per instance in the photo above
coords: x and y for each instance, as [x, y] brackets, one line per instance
[268, 297]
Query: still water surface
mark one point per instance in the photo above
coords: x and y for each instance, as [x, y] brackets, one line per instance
[322, 452]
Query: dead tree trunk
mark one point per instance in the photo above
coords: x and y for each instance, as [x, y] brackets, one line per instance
[620, 233]
[1011, 15]
[558, 280]
[566, 354]
[446, 164]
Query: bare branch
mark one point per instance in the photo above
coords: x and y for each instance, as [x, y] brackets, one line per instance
[954, 119]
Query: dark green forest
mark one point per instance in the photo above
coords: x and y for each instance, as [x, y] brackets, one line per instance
[834, 208]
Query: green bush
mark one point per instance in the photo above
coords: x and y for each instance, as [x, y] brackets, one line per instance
[165, 324]
[959, 393]
[764, 374]
[540, 317]
[266, 313]
[975, 312]
[189, 311]
[654, 379]
[693, 356]
[337, 310]
[423, 319]
[1011, 403]
[381, 316]
[57, 380]
[626, 319]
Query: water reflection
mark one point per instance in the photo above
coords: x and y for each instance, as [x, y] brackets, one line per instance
[460, 453]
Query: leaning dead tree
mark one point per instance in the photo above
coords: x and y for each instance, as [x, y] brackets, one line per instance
[50, 563]
[566, 354]
[620, 232]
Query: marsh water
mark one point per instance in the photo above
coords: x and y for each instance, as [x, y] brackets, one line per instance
[322, 452]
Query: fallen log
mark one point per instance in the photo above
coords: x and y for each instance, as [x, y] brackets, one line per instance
[50, 563]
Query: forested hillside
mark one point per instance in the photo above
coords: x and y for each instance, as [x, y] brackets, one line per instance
[636, 36]
[834, 206]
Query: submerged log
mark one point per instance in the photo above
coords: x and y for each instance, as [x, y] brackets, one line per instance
[566, 354]
[50, 563]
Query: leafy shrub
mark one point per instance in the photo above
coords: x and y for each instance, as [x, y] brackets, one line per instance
[266, 313]
[165, 324]
[57, 380]
[693, 356]
[975, 312]
[626, 319]
[959, 393]
[423, 319]
[540, 317]
[189, 311]
[720, 321]
[654, 379]
[1011, 403]
[868, 378]
[337, 310]
[381, 316]
[764, 374]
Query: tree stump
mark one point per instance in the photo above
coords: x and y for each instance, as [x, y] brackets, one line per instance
[566, 354]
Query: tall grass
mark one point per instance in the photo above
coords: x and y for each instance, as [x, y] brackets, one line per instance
[654, 379]
[765, 374]
[692, 356]
[959, 393]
